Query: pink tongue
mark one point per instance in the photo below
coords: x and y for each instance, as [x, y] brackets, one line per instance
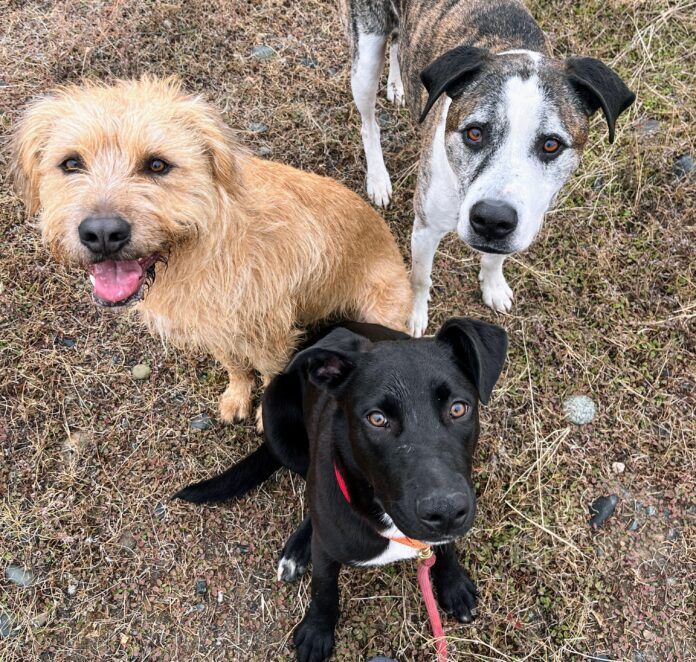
[116, 281]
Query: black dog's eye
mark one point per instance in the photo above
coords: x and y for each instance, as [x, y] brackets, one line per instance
[378, 419]
[458, 409]
[158, 166]
[73, 164]
[551, 146]
[473, 136]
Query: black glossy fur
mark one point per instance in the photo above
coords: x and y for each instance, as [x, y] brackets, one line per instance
[415, 469]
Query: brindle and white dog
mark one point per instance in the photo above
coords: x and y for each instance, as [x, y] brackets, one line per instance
[504, 123]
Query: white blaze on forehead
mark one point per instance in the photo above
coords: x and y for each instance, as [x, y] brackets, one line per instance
[534, 56]
[524, 108]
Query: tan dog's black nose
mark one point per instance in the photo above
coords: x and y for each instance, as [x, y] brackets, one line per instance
[443, 512]
[493, 219]
[104, 235]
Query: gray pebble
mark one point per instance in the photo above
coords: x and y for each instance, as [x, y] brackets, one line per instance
[309, 62]
[5, 625]
[65, 342]
[683, 165]
[647, 127]
[264, 150]
[258, 127]
[201, 587]
[200, 607]
[160, 510]
[651, 510]
[200, 422]
[633, 526]
[579, 409]
[19, 576]
[167, 24]
[601, 509]
[141, 371]
[263, 52]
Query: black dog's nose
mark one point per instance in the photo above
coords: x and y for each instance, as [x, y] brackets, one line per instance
[493, 219]
[443, 512]
[104, 235]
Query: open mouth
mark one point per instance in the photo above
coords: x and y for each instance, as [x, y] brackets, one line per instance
[121, 282]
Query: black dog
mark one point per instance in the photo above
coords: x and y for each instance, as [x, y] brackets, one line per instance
[384, 427]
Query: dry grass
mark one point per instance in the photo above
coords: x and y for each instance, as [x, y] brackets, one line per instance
[604, 306]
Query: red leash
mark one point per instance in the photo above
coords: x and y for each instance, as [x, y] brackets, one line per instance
[426, 560]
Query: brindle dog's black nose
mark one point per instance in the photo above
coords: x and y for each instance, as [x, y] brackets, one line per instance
[493, 219]
[104, 235]
[443, 512]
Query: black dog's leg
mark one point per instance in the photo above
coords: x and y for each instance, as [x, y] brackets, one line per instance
[297, 553]
[314, 636]
[456, 593]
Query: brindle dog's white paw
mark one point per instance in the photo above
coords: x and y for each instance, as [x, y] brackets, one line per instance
[395, 93]
[379, 189]
[496, 293]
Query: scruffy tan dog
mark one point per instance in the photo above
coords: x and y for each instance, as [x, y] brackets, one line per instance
[144, 185]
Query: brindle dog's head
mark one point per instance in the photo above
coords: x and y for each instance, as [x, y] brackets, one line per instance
[514, 131]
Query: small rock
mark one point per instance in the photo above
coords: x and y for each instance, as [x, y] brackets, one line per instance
[601, 509]
[263, 52]
[579, 409]
[618, 467]
[264, 150]
[332, 71]
[167, 24]
[651, 511]
[258, 127]
[128, 541]
[683, 165]
[39, 620]
[141, 371]
[200, 422]
[201, 587]
[647, 127]
[5, 625]
[160, 510]
[220, 597]
[633, 525]
[200, 607]
[72, 589]
[19, 576]
[309, 62]
[65, 342]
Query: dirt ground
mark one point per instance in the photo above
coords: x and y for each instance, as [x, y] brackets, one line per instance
[604, 306]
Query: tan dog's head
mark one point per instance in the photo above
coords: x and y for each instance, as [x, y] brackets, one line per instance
[122, 175]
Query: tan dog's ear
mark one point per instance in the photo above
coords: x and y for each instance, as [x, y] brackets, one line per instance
[220, 144]
[28, 141]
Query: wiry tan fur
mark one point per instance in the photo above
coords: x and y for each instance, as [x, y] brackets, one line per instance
[255, 250]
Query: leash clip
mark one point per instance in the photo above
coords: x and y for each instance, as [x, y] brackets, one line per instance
[425, 554]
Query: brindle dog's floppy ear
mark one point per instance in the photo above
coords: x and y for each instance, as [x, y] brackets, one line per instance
[480, 347]
[450, 73]
[599, 87]
[329, 362]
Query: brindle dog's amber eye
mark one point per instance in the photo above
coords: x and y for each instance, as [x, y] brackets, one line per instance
[377, 418]
[157, 166]
[551, 146]
[71, 165]
[458, 409]
[474, 134]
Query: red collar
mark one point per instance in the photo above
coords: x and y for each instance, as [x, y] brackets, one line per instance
[404, 540]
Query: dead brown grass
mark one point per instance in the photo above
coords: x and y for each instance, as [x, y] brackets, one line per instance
[604, 306]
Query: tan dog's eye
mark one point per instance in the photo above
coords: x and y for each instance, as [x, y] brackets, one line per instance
[458, 409]
[72, 165]
[377, 418]
[158, 166]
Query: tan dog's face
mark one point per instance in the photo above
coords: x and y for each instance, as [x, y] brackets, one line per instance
[122, 176]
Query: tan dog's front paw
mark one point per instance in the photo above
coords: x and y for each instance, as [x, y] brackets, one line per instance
[235, 403]
[259, 419]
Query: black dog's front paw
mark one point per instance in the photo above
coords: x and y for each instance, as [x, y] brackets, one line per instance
[314, 640]
[457, 596]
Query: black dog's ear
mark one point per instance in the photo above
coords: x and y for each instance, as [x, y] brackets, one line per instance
[450, 73]
[329, 362]
[599, 87]
[480, 347]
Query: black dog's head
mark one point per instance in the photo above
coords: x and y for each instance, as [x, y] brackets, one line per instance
[410, 409]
